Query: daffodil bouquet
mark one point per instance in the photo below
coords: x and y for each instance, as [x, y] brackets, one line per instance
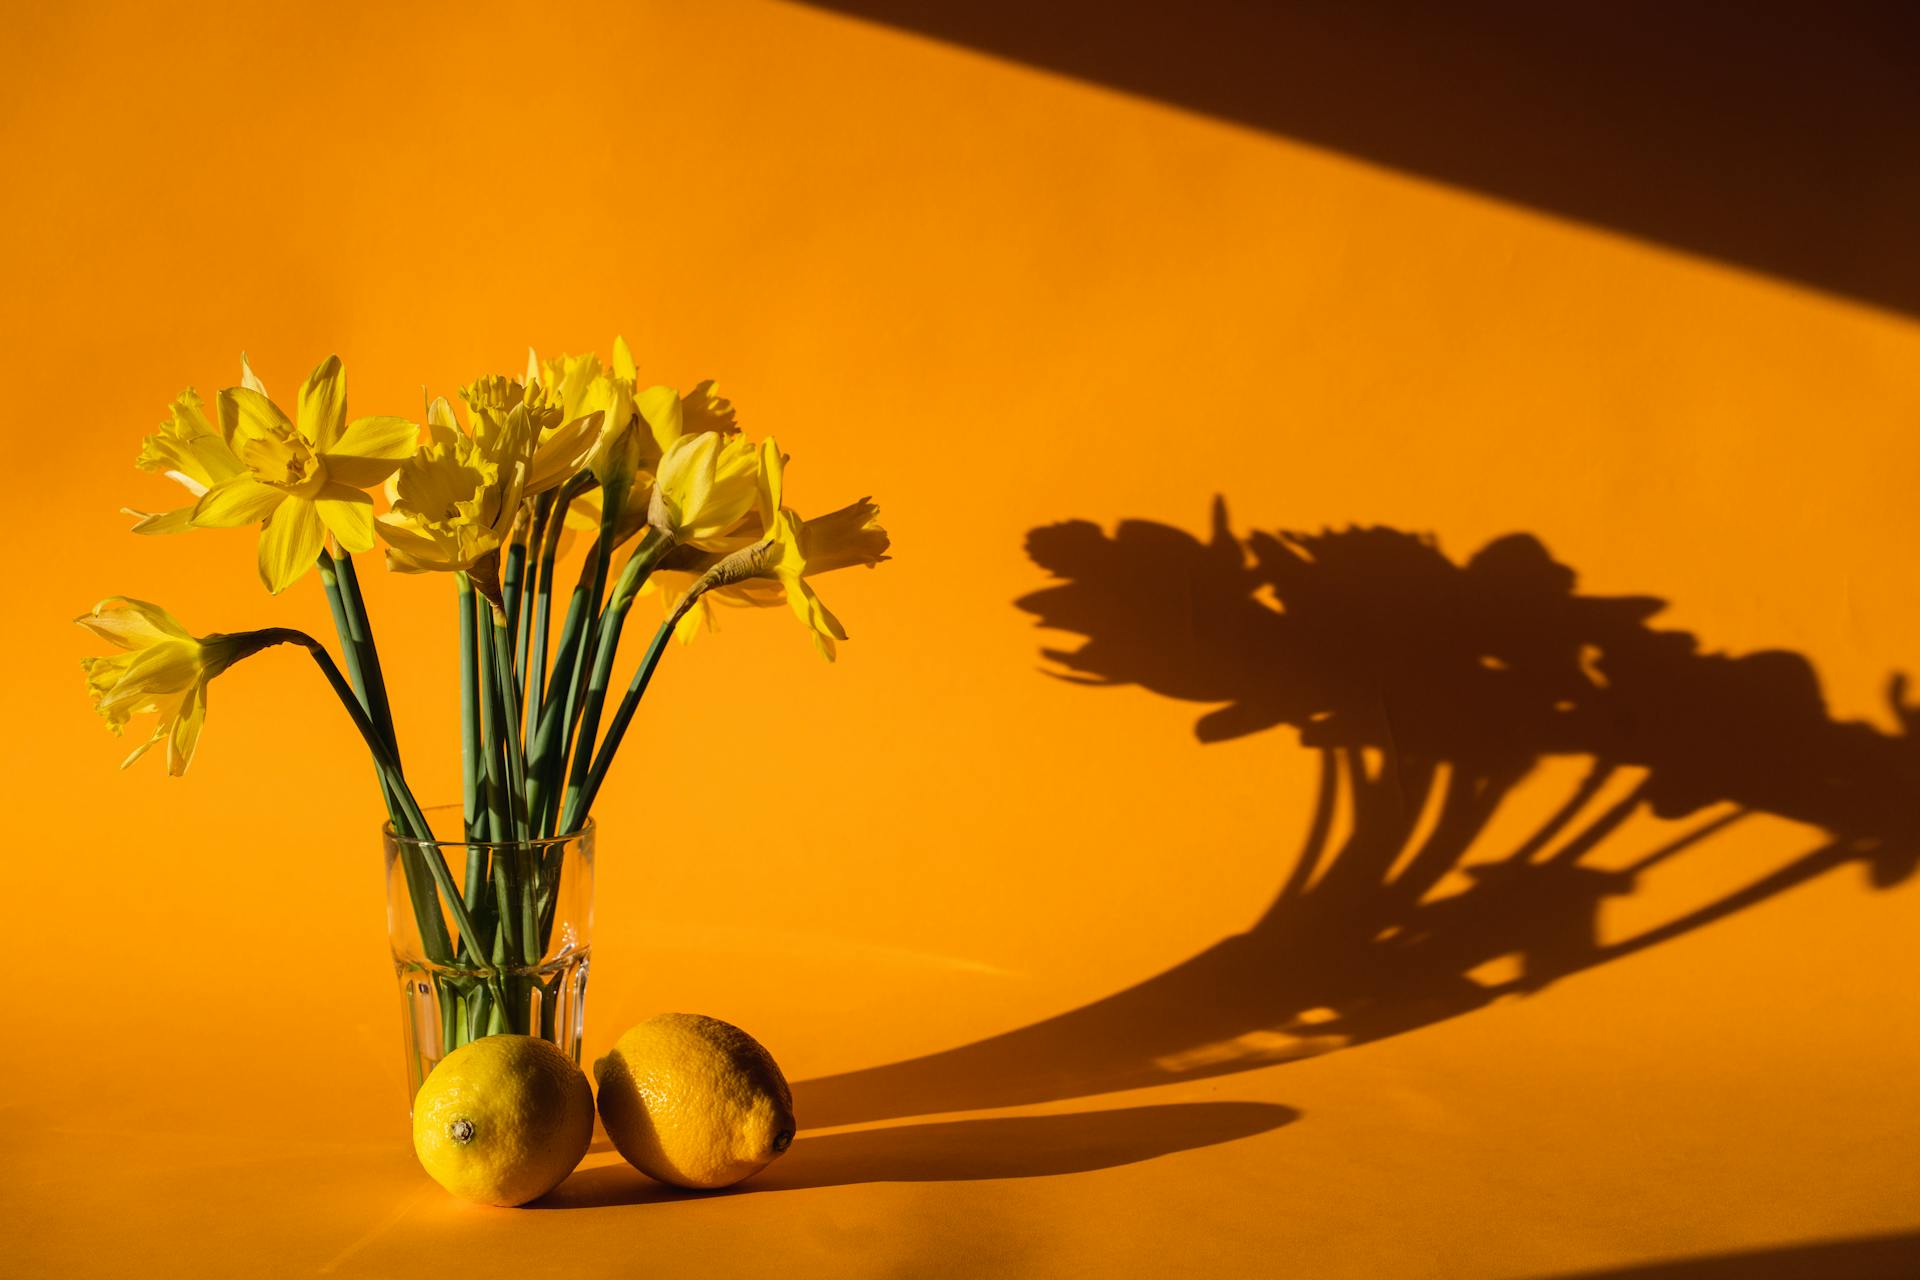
[669, 480]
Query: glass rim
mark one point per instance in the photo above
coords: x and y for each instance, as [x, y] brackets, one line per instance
[566, 837]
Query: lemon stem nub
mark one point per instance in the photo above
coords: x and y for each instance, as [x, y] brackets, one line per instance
[461, 1131]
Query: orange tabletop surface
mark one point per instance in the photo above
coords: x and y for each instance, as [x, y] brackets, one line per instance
[1378, 752]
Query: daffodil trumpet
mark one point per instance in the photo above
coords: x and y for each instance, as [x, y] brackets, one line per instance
[484, 490]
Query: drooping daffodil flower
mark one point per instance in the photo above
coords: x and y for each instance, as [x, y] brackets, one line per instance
[162, 669]
[840, 539]
[306, 476]
[780, 556]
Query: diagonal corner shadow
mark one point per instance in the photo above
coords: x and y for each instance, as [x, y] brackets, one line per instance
[1895, 1257]
[962, 1151]
[1780, 137]
[1429, 688]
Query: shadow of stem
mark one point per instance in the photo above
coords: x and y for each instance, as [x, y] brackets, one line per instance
[958, 1151]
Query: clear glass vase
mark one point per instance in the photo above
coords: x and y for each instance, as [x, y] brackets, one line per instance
[523, 970]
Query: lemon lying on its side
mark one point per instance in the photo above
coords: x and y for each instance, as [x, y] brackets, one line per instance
[503, 1120]
[694, 1101]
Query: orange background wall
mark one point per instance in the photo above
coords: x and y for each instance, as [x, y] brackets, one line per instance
[995, 299]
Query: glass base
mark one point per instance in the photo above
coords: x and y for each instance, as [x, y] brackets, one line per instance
[446, 1006]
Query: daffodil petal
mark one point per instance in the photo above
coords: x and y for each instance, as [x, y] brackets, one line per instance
[840, 539]
[700, 614]
[322, 407]
[160, 731]
[660, 406]
[239, 501]
[247, 413]
[772, 482]
[176, 521]
[290, 544]
[249, 379]
[348, 513]
[158, 670]
[186, 731]
[132, 624]
[400, 562]
[440, 414]
[810, 609]
[403, 539]
[371, 450]
[563, 451]
[623, 364]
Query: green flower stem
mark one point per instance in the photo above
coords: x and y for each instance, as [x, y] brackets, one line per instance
[511, 882]
[433, 930]
[507, 706]
[602, 557]
[470, 768]
[529, 589]
[415, 821]
[494, 737]
[473, 792]
[376, 687]
[536, 673]
[582, 802]
[495, 787]
[515, 567]
[653, 547]
[350, 648]
[479, 1012]
[525, 881]
[450, 1021]
[549, 746]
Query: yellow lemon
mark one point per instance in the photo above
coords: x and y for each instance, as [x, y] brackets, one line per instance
[694, 1101]
[503, 1120]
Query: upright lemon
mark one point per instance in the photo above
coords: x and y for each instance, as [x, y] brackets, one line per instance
[503, 1120]
[694, 1101]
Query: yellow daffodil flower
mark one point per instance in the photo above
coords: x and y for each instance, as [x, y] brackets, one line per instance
[636, 428]
[304, 477]
[669, 416]
[780, 556]
[564, 381]
[163, 669]
[455, 500]
[582, 388]
[187, 449]
[704, 487]
[838, 540]
[620, 452]
[561, 443]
